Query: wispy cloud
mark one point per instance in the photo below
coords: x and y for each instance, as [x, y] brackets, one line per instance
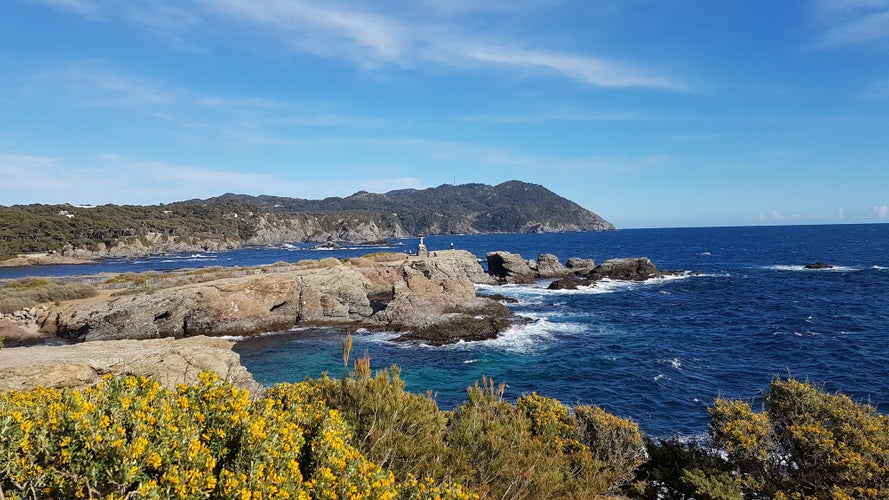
[591, 70]
[323, 28]
[555, 117]
[853, 22]
[95, 83]
[412, 35]
[876, 90]
[114, 179]
[84, 8]
[881, 211]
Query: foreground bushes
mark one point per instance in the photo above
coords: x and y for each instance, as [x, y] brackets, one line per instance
[129, 437]
[535, 448]
[363, 436]
[806, 444]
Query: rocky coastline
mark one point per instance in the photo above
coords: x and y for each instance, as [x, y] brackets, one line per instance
[429, 298]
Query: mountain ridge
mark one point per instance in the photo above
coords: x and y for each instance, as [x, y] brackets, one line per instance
[236, 220]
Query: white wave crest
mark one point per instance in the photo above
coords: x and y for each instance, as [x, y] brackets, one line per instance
[785, 267]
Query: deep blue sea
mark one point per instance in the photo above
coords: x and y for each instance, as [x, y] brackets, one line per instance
[658, 352]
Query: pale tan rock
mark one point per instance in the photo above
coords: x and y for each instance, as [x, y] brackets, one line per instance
[383, 291]
[169, 361]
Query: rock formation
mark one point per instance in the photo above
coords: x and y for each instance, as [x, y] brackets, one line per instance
[168, 361]
[628, 269]
[548, 266]
[391, 291]
[577, 264]
[509, 268]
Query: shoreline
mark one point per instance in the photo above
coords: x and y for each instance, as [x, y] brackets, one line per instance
[46, 259]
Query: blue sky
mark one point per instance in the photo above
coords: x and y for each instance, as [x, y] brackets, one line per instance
[652, 113]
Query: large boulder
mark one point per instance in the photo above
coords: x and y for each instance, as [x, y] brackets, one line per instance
[508, 267]
[631, 269]
[548, 266]
[168, 361]
[435, 301]
[577, 264]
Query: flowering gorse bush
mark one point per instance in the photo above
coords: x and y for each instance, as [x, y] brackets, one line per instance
[535, 448]
[130, 438]
[808, 444]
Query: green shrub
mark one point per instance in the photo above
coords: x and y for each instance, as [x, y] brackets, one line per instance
[807, 444]
[678, 469]
[401, 431]
[19, 294]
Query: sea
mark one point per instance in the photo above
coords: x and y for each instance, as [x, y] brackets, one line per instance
[658, 352]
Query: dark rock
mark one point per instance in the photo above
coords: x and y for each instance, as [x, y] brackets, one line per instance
[509, 268]
[571, 283]
[482, 323]
[818, 265]
[577, 264]
[329, 245]
[503, 299]
[630, 269]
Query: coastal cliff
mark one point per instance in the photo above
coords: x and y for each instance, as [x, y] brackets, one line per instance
[42, 233]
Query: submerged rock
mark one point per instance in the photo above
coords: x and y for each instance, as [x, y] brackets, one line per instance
[818, 265]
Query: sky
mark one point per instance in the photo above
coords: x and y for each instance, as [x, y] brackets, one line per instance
[651, 113]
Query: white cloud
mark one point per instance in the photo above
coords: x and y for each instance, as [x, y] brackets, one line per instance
[95, 83]
[594, 71]
[84, 8]
[409, 35]
[323, 28]
[881, 211]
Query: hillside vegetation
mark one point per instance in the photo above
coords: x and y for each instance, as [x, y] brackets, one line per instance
[231, 221]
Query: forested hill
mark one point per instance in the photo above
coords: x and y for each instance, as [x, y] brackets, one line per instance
[232, 221]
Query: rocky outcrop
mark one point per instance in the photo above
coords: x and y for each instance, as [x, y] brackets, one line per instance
[329, 293]
[631, 269]
[168, 361]
[548, 266]
[391, 291]
[509, 267]
[627, 269]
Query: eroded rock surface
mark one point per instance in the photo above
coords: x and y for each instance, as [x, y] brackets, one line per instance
[169, 361]
[387, 292]
[509, 268]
